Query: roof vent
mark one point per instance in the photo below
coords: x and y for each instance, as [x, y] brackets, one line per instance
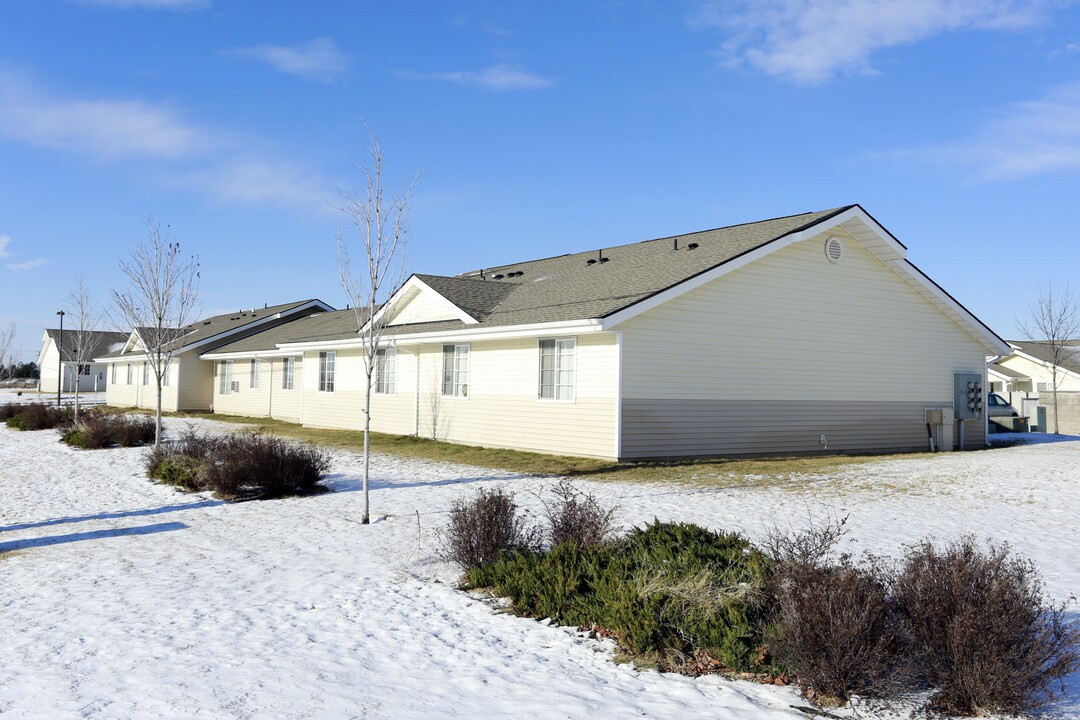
[692, 246]
[500, 276]
[604, 259]
[834, 249]
[590, 261]
[516, 273]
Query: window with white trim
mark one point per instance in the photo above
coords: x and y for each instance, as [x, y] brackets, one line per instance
[288, 372]
[113, 373]
[130, 373]
[165, 375]
[253, 373]
[1042, 387]
[146, 373]
[455, 370]
[557, 368]
[225, 368]
[386, 371]
[327, 361]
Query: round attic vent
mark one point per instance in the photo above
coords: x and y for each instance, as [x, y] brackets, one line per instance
[834, 249]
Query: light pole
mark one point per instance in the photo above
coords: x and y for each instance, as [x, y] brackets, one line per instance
[60, 359]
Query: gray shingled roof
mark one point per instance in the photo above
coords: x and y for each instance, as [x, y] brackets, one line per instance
[568, 287]
[1041, 351]
[211, 327]
[100, 342]
[333, 325]
[479, 298]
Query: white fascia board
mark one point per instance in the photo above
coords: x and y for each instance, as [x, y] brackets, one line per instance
[509, 332]
[251, 354]
[415, 283]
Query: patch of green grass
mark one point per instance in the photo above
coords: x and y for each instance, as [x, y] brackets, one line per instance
[710, 472]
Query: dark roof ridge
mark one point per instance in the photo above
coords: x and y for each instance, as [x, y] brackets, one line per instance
[832, 213]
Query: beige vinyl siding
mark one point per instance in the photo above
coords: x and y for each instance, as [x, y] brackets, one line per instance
[285, 404]
[267, 400]
[344, 407]
[137, 394]
[774, 354]
[502, 408]
[245, 400]
[424, 306]
[194, 380]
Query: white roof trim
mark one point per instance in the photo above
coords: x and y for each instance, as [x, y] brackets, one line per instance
[416, 284]
[251, 354]
[574, 327]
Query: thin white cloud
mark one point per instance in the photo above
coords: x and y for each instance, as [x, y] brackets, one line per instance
[497, 77]
[1028, 138]
[264, 182]
[107, 129]
[5, 240]
[28, 265]
[320, 60]
[224, 165]
[149, 4]
[812, 41]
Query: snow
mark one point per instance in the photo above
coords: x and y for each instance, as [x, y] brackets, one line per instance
[127, 599]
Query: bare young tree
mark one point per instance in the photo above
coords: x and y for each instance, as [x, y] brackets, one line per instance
[160, 302]
[7, 339]
[1054, 322]
[86, 318]
[382, 228]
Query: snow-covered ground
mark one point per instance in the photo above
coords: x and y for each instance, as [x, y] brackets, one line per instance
[126, 599]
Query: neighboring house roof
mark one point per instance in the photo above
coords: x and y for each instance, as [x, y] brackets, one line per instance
[1040, 350]
[100, 342]
[219, 327]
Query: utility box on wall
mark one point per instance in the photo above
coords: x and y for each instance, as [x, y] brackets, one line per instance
[967, 396]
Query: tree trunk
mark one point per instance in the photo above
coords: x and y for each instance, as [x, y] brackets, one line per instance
[1053, 378]
[77, 379]
[157, 418]
[367, 445]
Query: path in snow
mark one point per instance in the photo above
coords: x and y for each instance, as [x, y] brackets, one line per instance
[127, 599]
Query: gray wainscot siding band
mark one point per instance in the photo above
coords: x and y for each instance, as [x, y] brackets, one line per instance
[661, 428]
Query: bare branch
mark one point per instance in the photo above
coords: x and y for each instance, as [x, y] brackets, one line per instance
[382, 231]
[86, 318]
[7, 339]
[161, 302]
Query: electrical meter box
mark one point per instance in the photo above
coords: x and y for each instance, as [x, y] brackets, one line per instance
[967, 396]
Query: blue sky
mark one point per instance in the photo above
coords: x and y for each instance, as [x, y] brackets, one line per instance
[538, 129]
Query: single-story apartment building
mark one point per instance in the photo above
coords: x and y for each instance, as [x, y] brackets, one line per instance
[188, 382]
[57, 364]
[774, 337]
